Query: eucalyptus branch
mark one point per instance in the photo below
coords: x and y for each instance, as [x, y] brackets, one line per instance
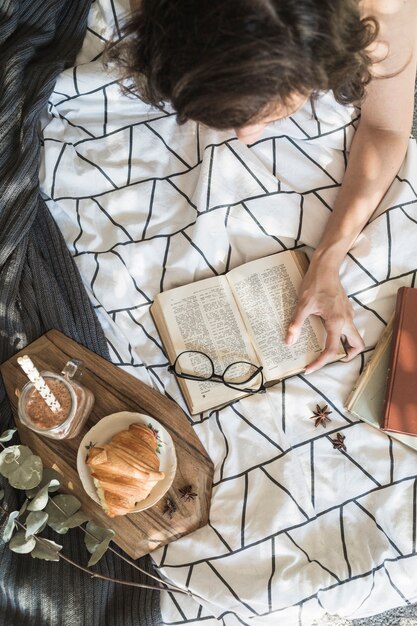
[89, 572]
[168, 587]
[131, 563]
[87, 532]
[109, 578]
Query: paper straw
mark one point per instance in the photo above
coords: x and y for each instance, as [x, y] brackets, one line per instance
[40, 385]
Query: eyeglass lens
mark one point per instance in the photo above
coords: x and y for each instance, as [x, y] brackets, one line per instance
[199, 365]
[240, 372]
[193, 363]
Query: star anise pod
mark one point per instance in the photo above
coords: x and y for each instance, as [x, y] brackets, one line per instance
[170, 508]
[320, 415]
[90, 445]
[338, 443]
[187, 493]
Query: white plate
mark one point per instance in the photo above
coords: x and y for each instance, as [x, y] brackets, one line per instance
[110, 425]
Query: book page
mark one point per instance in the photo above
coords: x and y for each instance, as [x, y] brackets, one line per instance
[267, 290]
[203, 316]
[366, 399]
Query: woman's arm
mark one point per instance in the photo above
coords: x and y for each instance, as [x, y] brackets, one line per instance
[376, 154]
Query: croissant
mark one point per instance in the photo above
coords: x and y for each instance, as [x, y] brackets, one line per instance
[126, 469]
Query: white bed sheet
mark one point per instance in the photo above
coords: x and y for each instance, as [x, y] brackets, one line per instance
[297, 528]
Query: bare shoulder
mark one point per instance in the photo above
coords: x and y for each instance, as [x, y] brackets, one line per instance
[384, 7]
[392, 15]
[397, 21]
[389, 102]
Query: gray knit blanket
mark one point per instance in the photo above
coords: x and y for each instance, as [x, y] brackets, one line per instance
[40, 289]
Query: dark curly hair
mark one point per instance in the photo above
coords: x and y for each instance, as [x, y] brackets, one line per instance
[227, 63]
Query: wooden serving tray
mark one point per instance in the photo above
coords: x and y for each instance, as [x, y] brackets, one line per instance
[114, 391]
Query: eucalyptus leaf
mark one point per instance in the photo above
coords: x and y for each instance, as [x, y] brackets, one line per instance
[72, 522]
[53, 485]
[10, 526]
[7, 435]
[40, 501]
[46, 549]
[59, 509]
[28, 474]
[97, 540]
[23, 508]
[96, 535]
[99, 551]
[20, 544]
[11, 457]
[35, 522]
[49, 476]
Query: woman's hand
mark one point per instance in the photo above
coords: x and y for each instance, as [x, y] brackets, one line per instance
[322, 294]
[375, 156]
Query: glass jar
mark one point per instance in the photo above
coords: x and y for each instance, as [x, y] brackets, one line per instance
[76, 403]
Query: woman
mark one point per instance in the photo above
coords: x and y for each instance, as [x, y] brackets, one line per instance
[244, 63]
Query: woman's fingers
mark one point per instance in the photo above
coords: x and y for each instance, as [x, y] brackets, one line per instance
[294, 329]
[331, 349]
[353, 344]
[324, 296]
[336, 335]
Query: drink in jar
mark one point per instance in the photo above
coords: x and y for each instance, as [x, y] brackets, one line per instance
[75, 402]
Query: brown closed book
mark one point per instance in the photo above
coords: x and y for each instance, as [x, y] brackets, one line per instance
[400, 410]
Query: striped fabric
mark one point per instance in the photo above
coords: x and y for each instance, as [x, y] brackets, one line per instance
[297, 527]
[40, 288]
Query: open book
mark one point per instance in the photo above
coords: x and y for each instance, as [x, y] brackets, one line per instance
[240, 316]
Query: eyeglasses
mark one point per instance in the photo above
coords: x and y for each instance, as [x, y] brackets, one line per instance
[196, 365]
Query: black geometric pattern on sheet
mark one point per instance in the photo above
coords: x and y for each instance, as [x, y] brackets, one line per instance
[155, 206]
